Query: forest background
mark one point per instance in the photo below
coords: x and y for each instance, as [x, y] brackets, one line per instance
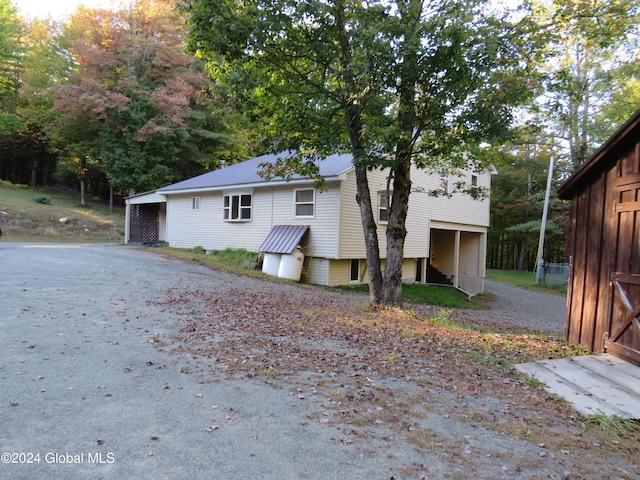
[109, 102]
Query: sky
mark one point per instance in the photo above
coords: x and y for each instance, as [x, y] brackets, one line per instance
[56, 8]
[61, 8]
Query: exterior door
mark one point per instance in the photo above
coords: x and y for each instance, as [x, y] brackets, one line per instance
[624, 336]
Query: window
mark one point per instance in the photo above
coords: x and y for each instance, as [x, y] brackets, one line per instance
[237, 207]
[195, 203]
[304, 202]
[474, 180]
[383, 206]
[444, 180]
[354, 274]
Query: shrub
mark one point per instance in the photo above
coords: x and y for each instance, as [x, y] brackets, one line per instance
[42, 199]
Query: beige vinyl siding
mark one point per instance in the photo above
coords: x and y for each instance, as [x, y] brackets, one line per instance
[459, 209]
[206, 228]
[151, 197]
[316, 270]
[471, 270]
[469, 250]
[270, 206]
[350, 237]
[321, 239]
[340, 272]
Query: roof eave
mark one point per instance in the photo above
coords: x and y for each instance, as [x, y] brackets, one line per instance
[272, 183]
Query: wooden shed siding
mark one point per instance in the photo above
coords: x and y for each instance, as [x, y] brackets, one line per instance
[628, 253]
[605, 238]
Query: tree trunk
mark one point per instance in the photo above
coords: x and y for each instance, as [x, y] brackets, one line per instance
[110, 197]
[370, 230]
[353, 123]
[396, 234]
[363, 197]
[407, 124]
[83, 200]
[522, 254]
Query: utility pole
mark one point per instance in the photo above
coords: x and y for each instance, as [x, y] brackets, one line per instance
[543, 226]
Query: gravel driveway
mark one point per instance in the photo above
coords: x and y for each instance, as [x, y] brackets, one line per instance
[118, 363]
[535, 311]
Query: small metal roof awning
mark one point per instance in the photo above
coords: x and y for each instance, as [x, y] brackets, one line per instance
[283, 239]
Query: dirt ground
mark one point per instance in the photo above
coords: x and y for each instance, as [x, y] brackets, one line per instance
[179, 371]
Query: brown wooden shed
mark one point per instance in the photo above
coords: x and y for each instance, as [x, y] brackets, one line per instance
[603, 298]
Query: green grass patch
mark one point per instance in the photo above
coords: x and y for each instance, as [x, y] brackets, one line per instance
[523, 279]
[613, 425]
[233, 260]
[46, 215]
[441, 295]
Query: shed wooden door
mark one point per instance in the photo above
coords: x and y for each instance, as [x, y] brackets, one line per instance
[623, 339]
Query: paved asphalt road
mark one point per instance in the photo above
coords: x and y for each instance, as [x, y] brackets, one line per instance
[86, 391]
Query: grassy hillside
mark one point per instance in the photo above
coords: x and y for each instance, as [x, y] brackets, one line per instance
[23, 219]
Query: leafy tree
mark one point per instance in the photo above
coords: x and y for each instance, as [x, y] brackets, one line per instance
[390, 82]
[517, 200]
[590, 45]
[43, 68]
[10, 54]
[625, 100]
[136, 107]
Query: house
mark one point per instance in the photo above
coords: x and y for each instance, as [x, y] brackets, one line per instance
[603, 299]
[235, 207]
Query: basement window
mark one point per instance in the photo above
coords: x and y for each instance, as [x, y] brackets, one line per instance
[354, 274]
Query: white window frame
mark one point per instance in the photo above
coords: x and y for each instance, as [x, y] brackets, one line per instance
[474, 180]
[384, 194]
[240, 210]
[297, 203]
[195, 203]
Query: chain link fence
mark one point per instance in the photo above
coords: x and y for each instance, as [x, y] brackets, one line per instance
[556, 274]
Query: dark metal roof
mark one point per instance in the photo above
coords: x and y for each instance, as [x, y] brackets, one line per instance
[283, 239]
[246, 172]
